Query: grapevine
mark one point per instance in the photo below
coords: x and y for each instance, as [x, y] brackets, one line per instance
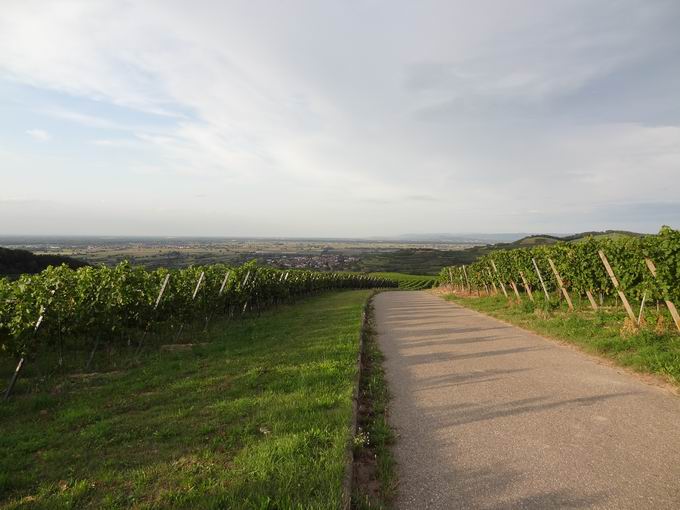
[581, 268]
[113, 304]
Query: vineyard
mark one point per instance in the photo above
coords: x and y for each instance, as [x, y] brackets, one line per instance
[408, 281]
[637, 270]
[91, 308]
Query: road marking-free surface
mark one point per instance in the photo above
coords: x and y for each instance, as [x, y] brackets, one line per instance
[490, 416]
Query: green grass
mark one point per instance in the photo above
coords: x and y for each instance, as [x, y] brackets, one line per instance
[652, 349]
[258, 418]
[375, 436]
[408, 281]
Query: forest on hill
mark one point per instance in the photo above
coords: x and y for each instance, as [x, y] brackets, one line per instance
[17, 262]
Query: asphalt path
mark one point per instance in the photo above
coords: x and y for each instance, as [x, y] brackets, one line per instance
[490, 416]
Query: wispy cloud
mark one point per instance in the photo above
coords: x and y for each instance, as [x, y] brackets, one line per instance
[357, 118]
[39, 134]
[115, 143]
[84, 119]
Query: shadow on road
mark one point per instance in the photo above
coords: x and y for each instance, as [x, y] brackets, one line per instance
[490, 416]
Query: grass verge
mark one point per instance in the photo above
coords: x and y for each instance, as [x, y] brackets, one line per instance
[374, 466]
[652, 348]
[256, 418]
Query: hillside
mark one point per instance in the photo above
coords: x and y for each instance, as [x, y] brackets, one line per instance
[540, 239]
[414, 261]
[472, 254]
[16, 262]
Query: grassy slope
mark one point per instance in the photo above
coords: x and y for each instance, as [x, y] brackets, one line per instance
[259, 418]
[653, 349]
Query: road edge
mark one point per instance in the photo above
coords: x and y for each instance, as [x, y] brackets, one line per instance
[651, 379]
[348, 478]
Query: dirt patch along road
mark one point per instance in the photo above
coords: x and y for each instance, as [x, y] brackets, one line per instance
[490, 416]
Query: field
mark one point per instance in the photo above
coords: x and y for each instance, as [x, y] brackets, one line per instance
[318, 254]
[256, 418]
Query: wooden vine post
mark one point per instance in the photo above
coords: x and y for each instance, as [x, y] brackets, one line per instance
[219, 293]
[193, 296]
[526, 286]
[669, 303]
[610, 272]
[540, 278]
[493, 283]
[148, 324]
[14, 378]
[493, 264]
[642, 307]
[226, 277]
[593, 304]
[15, 375]
[160, 292]
[467, 281]
[245, 280]
[514, 287]
[561, 284]
[198, 285]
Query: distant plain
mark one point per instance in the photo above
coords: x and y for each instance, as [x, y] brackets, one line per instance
[419, 257]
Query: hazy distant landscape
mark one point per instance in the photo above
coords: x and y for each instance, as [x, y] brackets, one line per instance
[420, 257]
[424, 254]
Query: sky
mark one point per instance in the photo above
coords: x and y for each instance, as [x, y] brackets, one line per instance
[338, 119]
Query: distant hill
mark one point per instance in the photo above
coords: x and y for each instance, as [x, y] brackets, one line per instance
[476, 238]
[508, 239]
[16, 262]
[469, 255]
[470, 238]
[536, 240]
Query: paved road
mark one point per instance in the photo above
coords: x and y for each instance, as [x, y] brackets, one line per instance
[490, 416]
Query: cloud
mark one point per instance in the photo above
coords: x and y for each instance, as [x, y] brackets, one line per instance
[39, 134]
[422, 198]
[85, 119]
[116, 143]
[637, 212]
[356, 119]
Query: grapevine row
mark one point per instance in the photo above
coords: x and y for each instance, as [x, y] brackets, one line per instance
[111, 304]
[581, 267]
